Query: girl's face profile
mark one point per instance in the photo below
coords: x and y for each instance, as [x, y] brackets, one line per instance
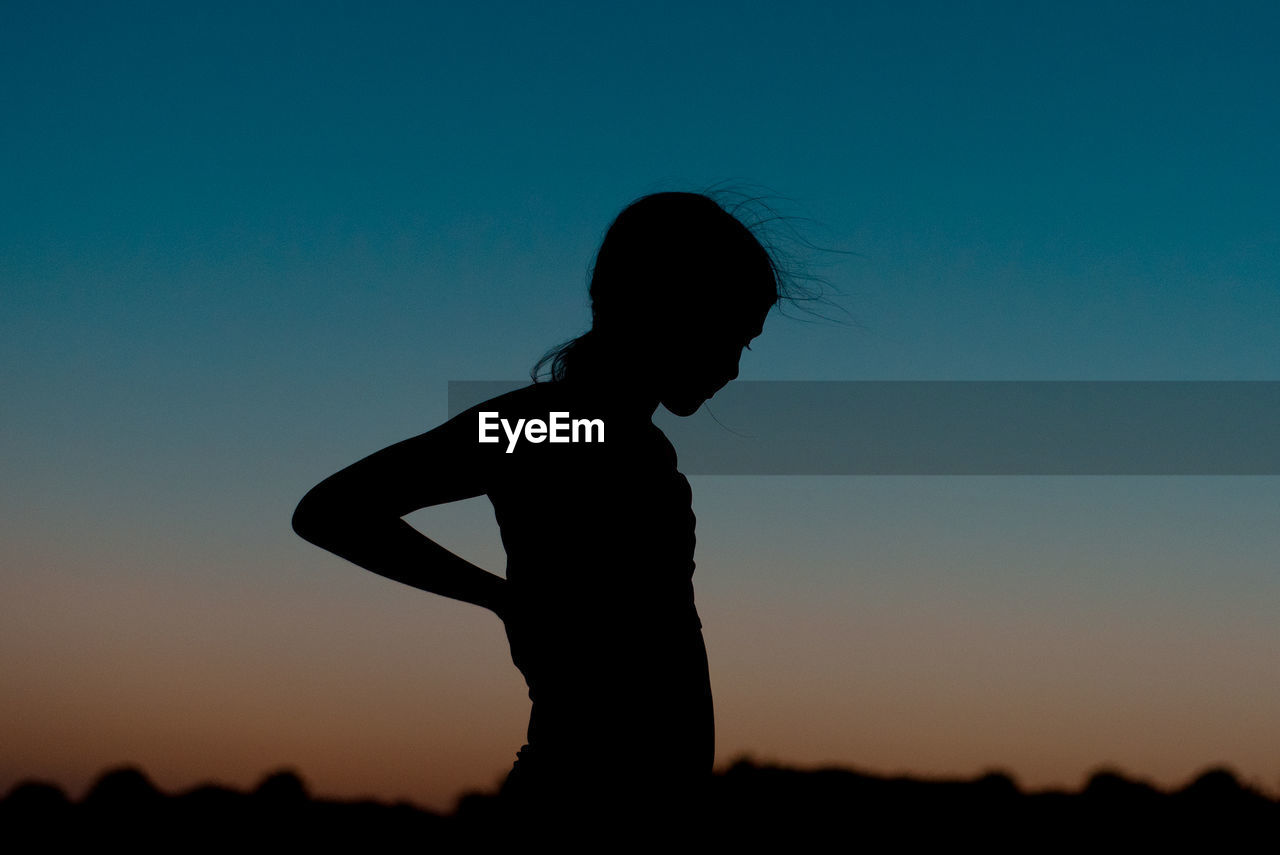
[705, 357]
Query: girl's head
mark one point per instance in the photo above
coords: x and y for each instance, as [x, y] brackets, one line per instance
[679, 286]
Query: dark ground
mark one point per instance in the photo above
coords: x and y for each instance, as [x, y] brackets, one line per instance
[750, 806]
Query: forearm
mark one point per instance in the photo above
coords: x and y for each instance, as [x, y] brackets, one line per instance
[395, 549]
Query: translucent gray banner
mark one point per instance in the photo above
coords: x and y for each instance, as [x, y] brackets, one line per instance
[803, 427]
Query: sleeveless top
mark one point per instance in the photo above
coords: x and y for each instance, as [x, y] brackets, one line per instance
[601, 620]
[600, 535]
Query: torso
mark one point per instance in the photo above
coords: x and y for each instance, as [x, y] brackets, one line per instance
[596, 527]
[600, 542]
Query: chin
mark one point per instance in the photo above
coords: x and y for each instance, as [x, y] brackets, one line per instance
[684, 407]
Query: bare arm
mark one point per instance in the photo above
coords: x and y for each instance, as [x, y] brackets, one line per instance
[358, 512]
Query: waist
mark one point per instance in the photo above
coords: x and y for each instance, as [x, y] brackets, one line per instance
[605, 617]
[601, 650]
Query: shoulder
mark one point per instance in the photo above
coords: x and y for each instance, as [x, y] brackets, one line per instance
[525, 401]
[512, 429]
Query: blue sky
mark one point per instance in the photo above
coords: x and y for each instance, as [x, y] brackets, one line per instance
[243, 245]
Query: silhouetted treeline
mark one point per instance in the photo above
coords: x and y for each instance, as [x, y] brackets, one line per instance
[751, 805]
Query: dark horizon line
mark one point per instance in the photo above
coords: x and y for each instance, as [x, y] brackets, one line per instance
[287, 784]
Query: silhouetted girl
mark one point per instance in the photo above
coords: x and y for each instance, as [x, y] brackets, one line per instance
[598, 599]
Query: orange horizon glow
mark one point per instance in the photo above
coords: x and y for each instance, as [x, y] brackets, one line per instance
[367, 692]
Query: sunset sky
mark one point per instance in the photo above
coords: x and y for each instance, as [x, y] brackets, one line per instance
[244, 244]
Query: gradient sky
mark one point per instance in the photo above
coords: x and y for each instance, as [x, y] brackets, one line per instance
[244, 244]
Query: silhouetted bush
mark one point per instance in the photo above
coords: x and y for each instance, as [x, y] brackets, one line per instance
[282, 788]
[749, 805]
[126, 788]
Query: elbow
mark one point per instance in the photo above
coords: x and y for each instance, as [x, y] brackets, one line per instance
[329, 516]
[313, 517]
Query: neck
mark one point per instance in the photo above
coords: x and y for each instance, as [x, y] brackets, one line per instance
[621, 382]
